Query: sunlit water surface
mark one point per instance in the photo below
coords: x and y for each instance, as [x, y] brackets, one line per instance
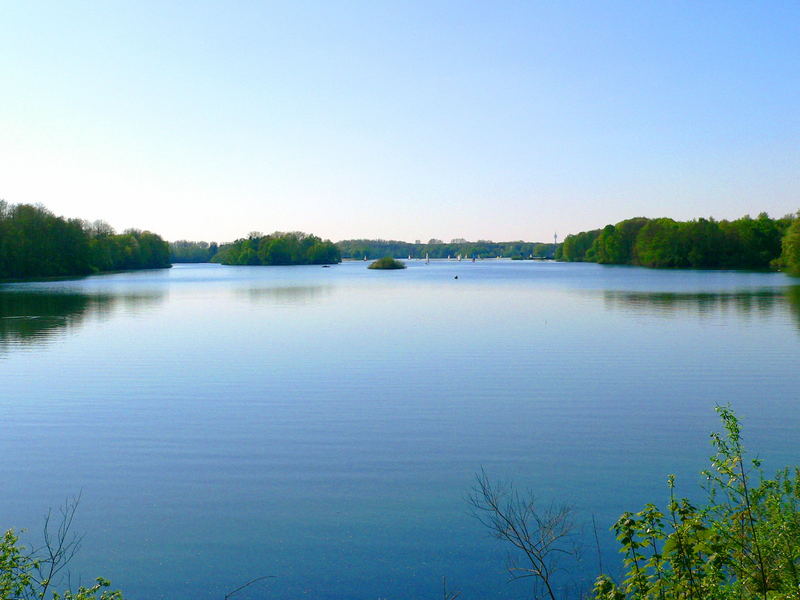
[324, 425]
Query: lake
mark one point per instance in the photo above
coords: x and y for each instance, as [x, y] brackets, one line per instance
[325, 425]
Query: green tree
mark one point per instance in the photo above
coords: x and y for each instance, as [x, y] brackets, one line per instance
[615, 243]
[575, 247]
[659, 244]
[751, 243]
[745, 243]
[705, 244]
[790, 255]
[278, 248]
[184, 251]
[36, 243]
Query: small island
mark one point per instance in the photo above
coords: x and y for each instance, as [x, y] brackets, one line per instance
[387, 262]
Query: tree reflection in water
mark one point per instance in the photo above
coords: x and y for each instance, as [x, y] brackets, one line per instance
[763, 302]
[34, 318]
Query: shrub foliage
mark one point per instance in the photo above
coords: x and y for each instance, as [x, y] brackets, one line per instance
[387, 262]
[743, 543]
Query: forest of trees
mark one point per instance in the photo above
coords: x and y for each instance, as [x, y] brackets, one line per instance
[373, 249]
[36, 243]
[745, 243]
[184, 251]
[279, 248]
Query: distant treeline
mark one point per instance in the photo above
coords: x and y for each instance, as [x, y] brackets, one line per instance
[184, 251]
[372, 249]
[36, 243]
[745, 243]
[295, 248]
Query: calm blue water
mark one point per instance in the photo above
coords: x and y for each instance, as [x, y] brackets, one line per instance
[325, 425]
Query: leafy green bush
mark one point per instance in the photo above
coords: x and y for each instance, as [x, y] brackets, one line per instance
[387, 262]
[744, 543]
[34, 575]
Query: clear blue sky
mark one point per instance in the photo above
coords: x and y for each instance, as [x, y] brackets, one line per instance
[402, 120]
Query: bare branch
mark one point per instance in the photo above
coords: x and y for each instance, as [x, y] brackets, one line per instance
[539, 537]
[60, 546]
[249, 583]
[448, 595]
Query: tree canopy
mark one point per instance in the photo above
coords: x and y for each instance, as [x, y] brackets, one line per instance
[184, 251]
[295, 248]
[790, 255]
[36, 243]
[374, 249]
[745, 243]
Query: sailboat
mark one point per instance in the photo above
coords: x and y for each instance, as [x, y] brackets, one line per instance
[427, 259]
